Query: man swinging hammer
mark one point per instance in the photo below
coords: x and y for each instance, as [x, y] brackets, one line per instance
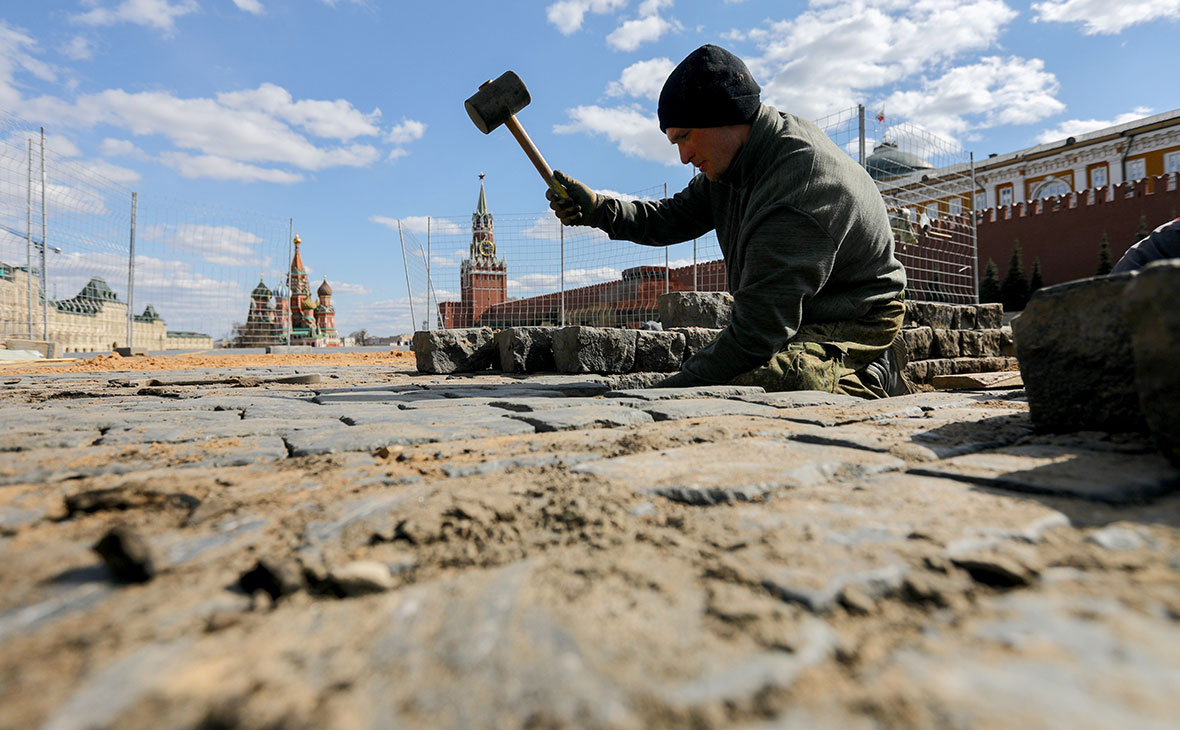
[805, 235]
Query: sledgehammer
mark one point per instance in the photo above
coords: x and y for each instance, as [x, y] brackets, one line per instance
[496, 103]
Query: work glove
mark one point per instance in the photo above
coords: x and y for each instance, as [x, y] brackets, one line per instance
[578, 208]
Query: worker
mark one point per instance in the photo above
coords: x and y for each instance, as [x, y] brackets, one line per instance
[1163, 243]
[817, 290]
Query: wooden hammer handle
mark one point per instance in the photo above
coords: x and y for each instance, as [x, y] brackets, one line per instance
[534, 155]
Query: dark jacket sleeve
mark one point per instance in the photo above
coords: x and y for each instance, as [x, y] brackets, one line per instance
[1163, 243]
[683, 217]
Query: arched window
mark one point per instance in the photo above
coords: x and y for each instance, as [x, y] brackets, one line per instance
[1050, 188]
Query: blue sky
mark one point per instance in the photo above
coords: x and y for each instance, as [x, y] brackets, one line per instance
[348, 114]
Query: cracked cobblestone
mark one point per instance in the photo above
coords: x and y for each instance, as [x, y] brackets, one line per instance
[503, 550]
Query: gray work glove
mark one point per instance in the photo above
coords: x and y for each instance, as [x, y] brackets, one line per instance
[578, 208]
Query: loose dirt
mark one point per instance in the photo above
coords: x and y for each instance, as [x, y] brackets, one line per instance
[110, 363]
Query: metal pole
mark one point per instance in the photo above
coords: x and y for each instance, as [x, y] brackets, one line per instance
[430, 283]
[667, 273]
[860, 112]
[44, 245]
[694, 264]
[406, 267]
[974, 239]
[131, 275]
[29, 241]
[561, 231]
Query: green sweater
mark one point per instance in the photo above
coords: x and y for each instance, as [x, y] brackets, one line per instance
[803, 230]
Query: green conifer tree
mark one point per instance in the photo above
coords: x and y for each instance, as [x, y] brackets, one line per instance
[1014, 288]
[1037, 279]
[1143, 231]
[1105, 264]
[989, 286]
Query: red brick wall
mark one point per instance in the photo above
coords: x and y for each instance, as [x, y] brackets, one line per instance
[1065, 233]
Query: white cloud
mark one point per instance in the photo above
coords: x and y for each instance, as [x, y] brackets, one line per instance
[250, 6]
[643, 79]
[112, 172]
[343, 287]
[408, 131]
[418, 223]
[158, 14]
[825, 58]
[993, 92]
[121, 148]
[219, 245]
[251, 135]
[79, 48]
[636, 133]
[567, 15]
[651, 7]
[221, 168]
[633, 33]
[17, 50]
[1075, 127]
[1103, 16]
[206, 126]
[837, 53]
[328, 119]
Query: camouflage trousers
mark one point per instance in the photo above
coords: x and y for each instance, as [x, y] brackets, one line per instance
[832, 356]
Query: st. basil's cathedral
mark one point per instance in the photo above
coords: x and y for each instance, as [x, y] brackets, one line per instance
[288, 315]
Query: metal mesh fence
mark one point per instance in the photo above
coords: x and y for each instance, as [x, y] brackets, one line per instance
[89, 264]
[518, 270]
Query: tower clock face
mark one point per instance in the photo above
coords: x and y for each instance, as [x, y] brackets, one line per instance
[487, 248]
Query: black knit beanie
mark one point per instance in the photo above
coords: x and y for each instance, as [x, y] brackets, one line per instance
[710, 88]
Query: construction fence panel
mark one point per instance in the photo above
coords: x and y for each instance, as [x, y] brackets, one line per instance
[88, 263]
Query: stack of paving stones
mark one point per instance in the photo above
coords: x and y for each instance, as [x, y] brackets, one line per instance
[955, 339]
[362, 546]
[942, 339]
[1104, 353]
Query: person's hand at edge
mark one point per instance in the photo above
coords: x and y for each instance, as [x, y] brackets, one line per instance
[578, 208]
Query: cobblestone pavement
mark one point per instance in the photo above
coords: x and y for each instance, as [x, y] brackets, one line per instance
[365, 547]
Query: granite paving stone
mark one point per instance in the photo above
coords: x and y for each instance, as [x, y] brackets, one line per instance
[533, 405]
[926, 561]
[707, 474]
[374, 413]
[510, 464]
[935, 435]
[799, 399]
[371, 436]
[69, 598]
[357, 521]
[525, 349]
[705, 391]
[1046, 662]
[21, 439]
[582, 417]
[580, 349]
[48, 465]
[674, 410]
[1111, 477]
[657, 351]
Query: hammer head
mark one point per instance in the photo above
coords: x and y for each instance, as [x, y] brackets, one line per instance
[496, 101]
